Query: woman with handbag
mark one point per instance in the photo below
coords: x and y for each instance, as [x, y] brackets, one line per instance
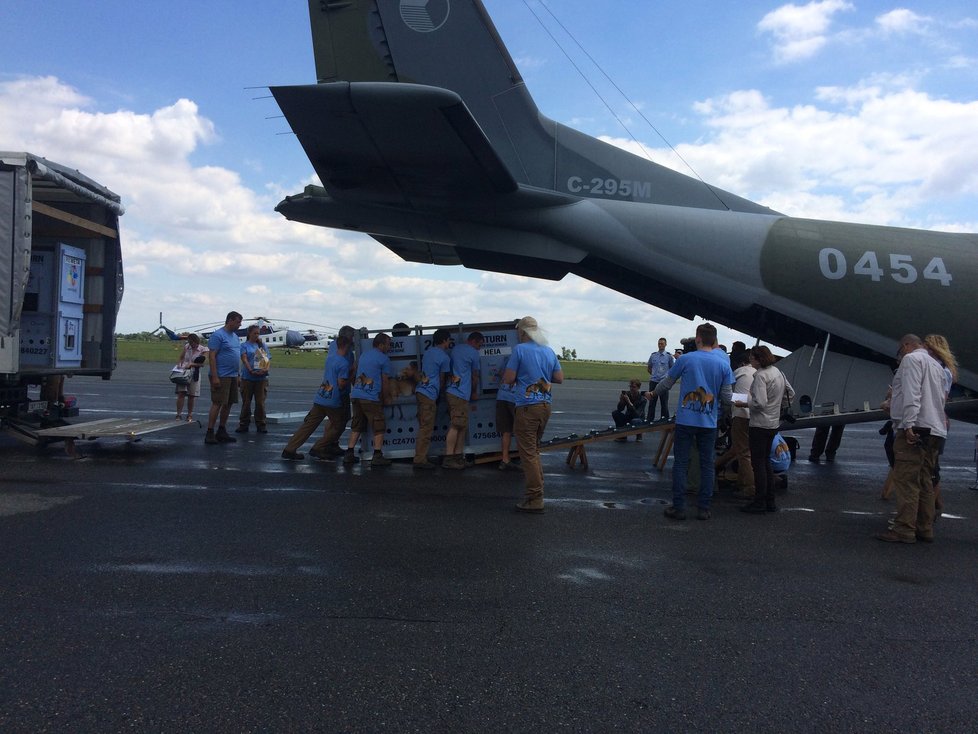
[191, 359]
[770, 394]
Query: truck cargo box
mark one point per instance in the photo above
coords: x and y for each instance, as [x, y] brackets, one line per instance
[61, 279]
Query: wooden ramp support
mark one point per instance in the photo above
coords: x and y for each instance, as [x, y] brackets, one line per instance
[577, 445]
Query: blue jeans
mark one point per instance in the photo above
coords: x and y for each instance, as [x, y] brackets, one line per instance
[705, 439]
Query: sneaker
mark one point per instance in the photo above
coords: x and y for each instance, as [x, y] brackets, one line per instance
[534, 506]
[179, 418]
[379, 459]
[427, 465]
[292, 455]
[241, 429]
[350, 458]
[674, 514]
[261, 429]
[891, 536]
[223, 437]
[334, 450]
[321, 455]
[508, 466]
[703, 514]
[453, 462]
[209, 438]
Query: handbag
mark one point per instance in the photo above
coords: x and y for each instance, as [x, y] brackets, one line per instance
[785, 415]
[180, 376]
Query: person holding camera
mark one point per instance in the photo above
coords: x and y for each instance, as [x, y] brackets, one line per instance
[631, 406]
[193, 356]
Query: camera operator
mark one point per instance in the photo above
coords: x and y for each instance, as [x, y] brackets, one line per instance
[631, 406]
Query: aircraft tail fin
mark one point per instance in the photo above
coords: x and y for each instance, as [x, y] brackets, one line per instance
[170, 333]
[453, 45]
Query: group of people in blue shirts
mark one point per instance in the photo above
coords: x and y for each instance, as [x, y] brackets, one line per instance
[355, 389]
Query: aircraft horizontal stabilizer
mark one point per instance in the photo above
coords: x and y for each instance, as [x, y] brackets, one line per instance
[393, 144]
[434, 253]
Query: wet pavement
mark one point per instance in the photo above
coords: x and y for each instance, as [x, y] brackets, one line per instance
[169, 585]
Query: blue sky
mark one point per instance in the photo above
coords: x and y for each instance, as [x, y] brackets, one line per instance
[858, 111]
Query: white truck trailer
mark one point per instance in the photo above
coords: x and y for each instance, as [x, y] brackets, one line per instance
[61, 283]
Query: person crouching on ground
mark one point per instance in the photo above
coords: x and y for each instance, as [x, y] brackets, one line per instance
[631, 406]
[533, 368]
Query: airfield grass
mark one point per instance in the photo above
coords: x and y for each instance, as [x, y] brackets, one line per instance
[166, 351]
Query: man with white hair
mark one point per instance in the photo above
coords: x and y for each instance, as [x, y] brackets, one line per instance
[917, 412]
[532, 369]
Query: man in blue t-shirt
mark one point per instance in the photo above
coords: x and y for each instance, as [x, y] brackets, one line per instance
[436, 365]
[532, 369]
[370, 377]
[328, 403]
[255, 362]
[462, 393]
[350, 333]
[506, 424]
[224, 359]
[705, 382]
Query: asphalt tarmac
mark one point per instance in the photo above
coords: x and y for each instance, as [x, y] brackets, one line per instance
[171, 586]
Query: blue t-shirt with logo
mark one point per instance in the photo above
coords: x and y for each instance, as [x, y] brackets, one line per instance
[350, 360]
[227, 352]
[434, 363]
[465, 361]
[368, 381]
[534, 366]
[250, 352]
[701, 377]
[507, 393]
[336, 384]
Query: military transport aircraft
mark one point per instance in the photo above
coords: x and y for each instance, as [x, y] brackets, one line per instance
[425, 136]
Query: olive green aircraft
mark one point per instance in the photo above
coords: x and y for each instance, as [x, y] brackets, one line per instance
[425, 137]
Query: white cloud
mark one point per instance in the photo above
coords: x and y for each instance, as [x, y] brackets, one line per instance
[799, 31]
[902, 21]
[865, 153]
